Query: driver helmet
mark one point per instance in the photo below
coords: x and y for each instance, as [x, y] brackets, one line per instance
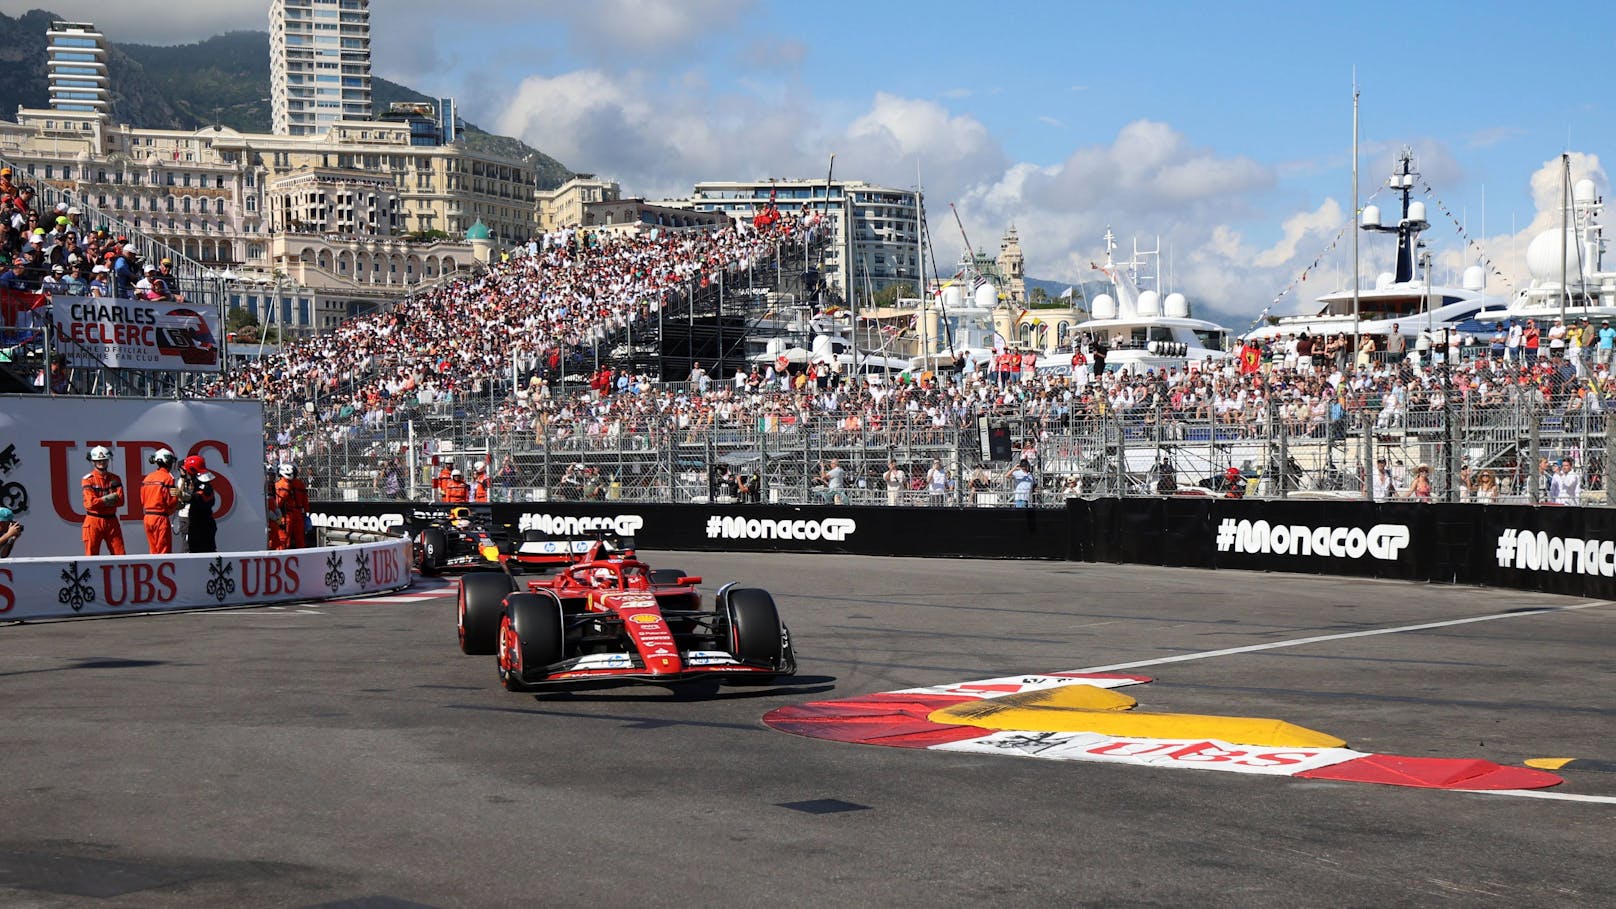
[194, 463]
[6, 515]
[162, 457]
[602, 577]
[460, 514]
[287, 470]
[100, 454]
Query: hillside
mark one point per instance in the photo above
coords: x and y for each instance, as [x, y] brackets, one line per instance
[224, 79]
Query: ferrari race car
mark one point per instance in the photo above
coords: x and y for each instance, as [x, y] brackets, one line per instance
[614, 618]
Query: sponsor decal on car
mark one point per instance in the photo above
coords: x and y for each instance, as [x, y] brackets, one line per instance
[709, 658]
[645, 618]
[1530, 551]
[554, 547]
[1382, 541]
[576, 525]
[739, 527]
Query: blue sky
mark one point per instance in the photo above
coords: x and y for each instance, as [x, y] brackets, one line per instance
[1223, 128]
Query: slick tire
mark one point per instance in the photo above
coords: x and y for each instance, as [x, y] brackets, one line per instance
[531, 638]
[482, 599]
[755, 634]
[434, 547]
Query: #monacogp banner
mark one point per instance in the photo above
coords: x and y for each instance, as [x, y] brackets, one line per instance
[136, 334]
[45, 440]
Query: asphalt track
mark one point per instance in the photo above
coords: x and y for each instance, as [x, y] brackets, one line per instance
[349, 756]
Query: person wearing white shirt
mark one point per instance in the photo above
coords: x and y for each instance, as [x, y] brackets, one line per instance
[1383, 482]
[1565, 486]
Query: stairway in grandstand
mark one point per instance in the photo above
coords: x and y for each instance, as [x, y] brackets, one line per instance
[199, 285]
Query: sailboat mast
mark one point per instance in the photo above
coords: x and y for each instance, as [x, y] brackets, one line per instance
[1357, 218]
[1565, 219]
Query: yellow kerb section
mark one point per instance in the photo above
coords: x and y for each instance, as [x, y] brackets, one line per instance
[1084, 708]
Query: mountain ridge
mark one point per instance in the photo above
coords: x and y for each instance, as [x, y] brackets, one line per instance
[223, 79]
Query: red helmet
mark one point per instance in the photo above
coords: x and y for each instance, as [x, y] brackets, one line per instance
[194, 463]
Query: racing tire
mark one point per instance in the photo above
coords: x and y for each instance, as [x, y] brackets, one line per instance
[534, 536]
[531, 637]
[660, 576]
[756, 635]
[482, 599]
[434, 546]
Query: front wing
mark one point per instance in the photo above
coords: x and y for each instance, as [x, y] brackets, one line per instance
[631, 666]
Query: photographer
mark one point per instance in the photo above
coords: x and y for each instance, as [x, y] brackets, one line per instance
[10, 530]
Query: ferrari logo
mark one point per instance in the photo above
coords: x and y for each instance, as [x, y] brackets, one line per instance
[666, 661]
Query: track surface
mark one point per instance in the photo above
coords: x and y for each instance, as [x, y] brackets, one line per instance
[348, 755]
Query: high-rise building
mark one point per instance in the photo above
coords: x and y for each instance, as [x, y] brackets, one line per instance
[77, 62]
[319, 64]
[873, 229]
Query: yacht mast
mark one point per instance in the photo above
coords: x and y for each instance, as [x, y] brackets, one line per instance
[1357, 215]
[1565, 218]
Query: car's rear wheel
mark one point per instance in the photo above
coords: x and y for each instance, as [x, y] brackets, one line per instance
[756, 636]
[434, 547]
[531, 638]
[482, 597]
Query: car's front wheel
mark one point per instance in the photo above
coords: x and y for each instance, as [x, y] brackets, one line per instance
[531, 638]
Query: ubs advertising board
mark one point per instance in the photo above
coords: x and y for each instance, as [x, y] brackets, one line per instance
[136, 334]
[45, 440]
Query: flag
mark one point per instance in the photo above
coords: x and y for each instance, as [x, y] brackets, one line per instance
[1065, 294]
[13, 303]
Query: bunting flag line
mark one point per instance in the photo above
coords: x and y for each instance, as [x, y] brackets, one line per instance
[1458, 227]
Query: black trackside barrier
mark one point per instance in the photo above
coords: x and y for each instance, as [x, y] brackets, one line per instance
[1551, 549]
[1014, 533]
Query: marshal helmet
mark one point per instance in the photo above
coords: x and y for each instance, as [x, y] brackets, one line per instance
[99, 454]
[195, 463]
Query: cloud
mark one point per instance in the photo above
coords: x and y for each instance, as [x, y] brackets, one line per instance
[1051, 121]
[956, 94]
[1493, 135]
[641, 27]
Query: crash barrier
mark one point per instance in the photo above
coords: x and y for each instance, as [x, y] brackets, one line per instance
[1550, 549]
[54, 588]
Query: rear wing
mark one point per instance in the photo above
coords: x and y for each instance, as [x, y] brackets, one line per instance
[538, 546]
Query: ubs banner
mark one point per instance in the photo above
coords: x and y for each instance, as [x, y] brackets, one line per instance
[964, 533]
[44, 441]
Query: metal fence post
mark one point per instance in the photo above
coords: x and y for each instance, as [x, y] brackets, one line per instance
[1368, 456]
[1533, 480]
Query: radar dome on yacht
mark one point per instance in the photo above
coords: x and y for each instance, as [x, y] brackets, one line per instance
[1371, 216]
[1475, 278]
[821, 348]
[987, 296]
[1543, 255]
[1384, 280]
[1176, 306]
[776, 345]
[1105, 307]
[1149, 304]
[953, 295]
[1584, 191]
[1416, 213]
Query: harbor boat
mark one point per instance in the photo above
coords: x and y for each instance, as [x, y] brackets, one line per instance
[1401, 298]
[1140, 329]
[1568, 278]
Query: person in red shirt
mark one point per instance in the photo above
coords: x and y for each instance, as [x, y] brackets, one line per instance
[455, 488]
[292, 501]
[158, 503]
[103, 496]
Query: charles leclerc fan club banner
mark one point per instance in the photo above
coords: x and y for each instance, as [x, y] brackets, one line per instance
[136, 334]
[44, 441]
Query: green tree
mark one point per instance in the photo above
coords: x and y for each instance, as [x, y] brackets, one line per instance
[889, 295]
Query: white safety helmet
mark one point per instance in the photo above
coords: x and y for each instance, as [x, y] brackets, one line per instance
[481, 464]
[100, 453]
[456, 473]
[286, 470]
[163, 457]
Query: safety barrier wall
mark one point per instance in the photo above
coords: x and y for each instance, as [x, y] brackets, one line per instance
[1550, 549]
[52, 588]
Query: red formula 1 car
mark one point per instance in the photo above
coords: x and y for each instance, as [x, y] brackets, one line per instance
[614, 618]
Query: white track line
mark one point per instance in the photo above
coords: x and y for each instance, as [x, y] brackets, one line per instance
[1546, 794]
[1274, 645]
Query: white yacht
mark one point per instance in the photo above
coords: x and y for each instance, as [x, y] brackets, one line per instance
[1141, 329]
[1568, 276]
[1401, 297]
